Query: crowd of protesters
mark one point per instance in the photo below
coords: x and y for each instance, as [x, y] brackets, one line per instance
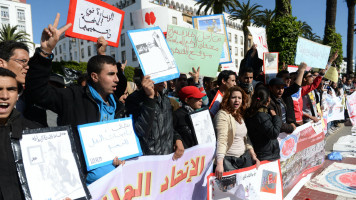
[251, 115]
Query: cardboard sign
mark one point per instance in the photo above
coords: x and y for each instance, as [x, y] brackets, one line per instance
[151, 17]
[270, 65]
[313, 54]
[49, 164]
[153, 53]
[203, 126]
[103, 141]
[248, 183]
[92, 18]
[215, 24]
[194, 48]
[260, 39]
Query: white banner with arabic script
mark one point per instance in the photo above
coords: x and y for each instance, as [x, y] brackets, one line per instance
[158, 177]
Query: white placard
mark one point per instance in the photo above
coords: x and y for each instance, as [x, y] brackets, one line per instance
[155, 57]
[50, 166]
[103, 141]
[259, 39]
[203, 127]
[91, 20]
[151, 17]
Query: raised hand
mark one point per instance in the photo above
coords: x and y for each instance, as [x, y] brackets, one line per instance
[302, 66]
[101, 45]
[50, 35]
[148, 86]
[195, 74]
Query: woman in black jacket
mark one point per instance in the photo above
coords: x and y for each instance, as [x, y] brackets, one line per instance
[191, 97]
[263, 127]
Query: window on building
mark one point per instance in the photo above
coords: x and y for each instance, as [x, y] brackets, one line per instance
[236, 63]
[60, 59]
[236, 51]
[65, 57]
[60, 49]
[242, 52]
[123, 39]
[82, 52]
[20, 15]
[5, 16]
[241, 40]
[55, 51]
[123, 24]
[229, 37]
[131, 21]
[64, 46]
[134, 57]
[75, 55]
[81, 42]
[236, 39]
[174, 20]
[89, 51]
[113, 55]
[123, 55]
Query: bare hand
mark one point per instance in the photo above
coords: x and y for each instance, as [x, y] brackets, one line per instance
[116, 162]
[273, 113]
[294, 127]
[219, 170]
[101, 45]
[50, 35]
[302, 66]
[257, 161]
[333, 58]
[123, 65]
[195, 74]
[315, 119]
[179, 150]
[148, 86]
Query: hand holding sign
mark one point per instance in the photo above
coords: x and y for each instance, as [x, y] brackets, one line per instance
[50, 35]
[101, 45]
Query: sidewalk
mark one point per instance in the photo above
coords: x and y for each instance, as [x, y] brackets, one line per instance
[306, 193]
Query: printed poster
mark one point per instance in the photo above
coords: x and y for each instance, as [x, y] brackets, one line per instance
[215, 24]
[203, 126]
[151, 17]
[270, 65]
[259, 39]
[91, 19]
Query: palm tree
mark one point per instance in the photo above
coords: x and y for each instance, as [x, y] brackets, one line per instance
[350, 33]
[265, 18]
[306, 29]
[245, 13]
[283, 7]
[215, 6]
[313, 37]
[8, 32]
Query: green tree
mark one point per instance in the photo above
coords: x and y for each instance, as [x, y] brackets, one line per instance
[331, 38]
[314, 37]
[306, 29]
[283, 8]
[8, 32]
[265, 18]
[246, 13]
[129, 73]
[350, 33]
[282, 37]
[215, 6]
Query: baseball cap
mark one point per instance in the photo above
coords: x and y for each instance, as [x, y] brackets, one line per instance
[190, 92]
[276, 81]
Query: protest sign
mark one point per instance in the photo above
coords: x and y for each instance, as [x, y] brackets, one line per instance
[154, 55]
[203, 126]
[248, 183]
[312, 53]
[150, 17]
[103, 141]
[158, 177]
[229, 66]
[259, 39]
[292, 68]
[332, 74]
[194, 48]
[48, 164]
[91, 19]
[270, 65]
[335, 106]
[302, 152]
[215, 24]
[215, 104]
[351, 107]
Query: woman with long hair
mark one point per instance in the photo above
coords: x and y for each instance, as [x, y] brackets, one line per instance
[263, 126]
[234, 150]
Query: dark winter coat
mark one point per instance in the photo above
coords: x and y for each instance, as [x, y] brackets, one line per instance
[263, 130]
[10, 187]
[183, 125]
[74, 105]
[153, 122]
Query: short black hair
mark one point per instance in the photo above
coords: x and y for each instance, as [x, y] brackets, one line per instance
[8, 73]
[7, 48]
[95, 64]
[224, 75]
[282, 73]
[245, 70]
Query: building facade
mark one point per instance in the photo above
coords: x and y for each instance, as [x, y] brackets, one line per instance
[17, 12]
[180, 13]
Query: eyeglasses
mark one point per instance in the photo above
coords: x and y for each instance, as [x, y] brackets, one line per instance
[22, 62]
